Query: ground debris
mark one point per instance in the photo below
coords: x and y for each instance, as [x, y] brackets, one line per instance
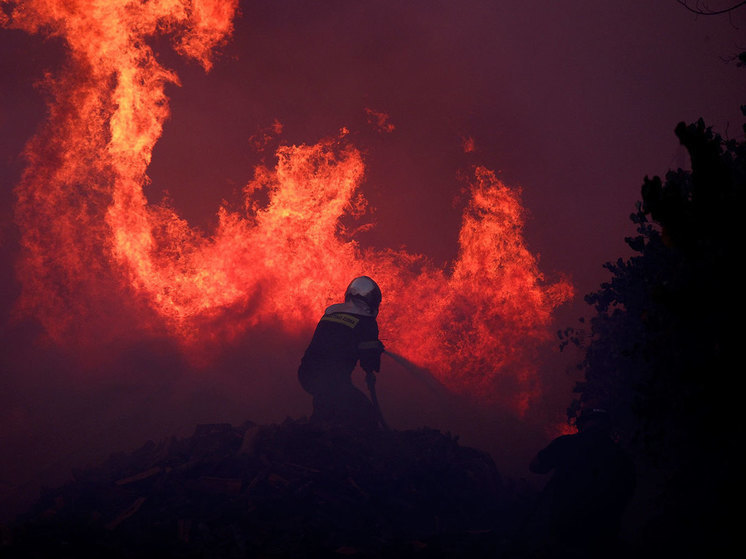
[288, 490]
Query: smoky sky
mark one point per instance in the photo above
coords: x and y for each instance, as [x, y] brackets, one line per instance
[573, 102]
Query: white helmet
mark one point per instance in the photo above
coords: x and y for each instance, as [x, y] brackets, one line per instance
[363, 291]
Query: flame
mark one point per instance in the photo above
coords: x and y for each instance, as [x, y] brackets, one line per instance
[94, 247]
[379, 120]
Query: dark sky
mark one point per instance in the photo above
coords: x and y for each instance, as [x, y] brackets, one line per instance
[575, 102]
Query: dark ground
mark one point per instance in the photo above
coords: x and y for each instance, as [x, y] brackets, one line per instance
[288, 490]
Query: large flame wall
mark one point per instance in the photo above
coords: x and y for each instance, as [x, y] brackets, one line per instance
[94, 248]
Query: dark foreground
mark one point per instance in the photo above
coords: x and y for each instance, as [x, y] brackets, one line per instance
[286, 490]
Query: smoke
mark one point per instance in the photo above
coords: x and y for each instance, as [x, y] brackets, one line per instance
[132, 323]
[95, 247]
[421, 375]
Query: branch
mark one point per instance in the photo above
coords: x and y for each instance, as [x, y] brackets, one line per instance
[707, 11]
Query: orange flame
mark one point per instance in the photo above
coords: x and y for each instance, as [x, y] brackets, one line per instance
[94, 246]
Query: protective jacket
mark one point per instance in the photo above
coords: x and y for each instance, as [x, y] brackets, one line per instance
[344, 336]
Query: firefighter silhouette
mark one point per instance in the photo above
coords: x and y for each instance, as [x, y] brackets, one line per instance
[345, 335]
[582, 504]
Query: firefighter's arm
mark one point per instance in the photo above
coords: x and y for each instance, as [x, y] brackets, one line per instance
[370, 355]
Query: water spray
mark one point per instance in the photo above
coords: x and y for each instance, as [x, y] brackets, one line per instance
[420, 374]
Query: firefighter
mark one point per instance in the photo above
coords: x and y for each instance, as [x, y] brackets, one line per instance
[345, 335]
[593, 481]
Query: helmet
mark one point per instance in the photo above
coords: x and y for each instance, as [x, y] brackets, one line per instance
[363, 291]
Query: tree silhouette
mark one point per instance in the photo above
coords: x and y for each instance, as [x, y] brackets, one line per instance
[703, 9]
[661, 350]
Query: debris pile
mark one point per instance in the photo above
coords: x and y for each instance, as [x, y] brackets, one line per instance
[287, 490]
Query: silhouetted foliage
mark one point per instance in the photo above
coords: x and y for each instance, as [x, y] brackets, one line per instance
[661, 349]
[703, 8]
